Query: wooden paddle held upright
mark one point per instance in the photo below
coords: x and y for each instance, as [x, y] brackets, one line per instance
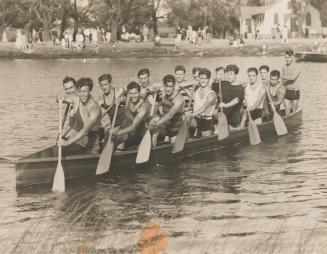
[253, 131]
[222, 127]
[106, 155]
[143, 153]
[279, 123]
[59, 178]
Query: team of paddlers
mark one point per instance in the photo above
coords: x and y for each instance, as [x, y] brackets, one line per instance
[126, 114]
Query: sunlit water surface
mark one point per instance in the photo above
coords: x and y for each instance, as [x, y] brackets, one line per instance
[271, 198]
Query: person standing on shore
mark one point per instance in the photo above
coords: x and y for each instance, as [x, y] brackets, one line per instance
[290, 79]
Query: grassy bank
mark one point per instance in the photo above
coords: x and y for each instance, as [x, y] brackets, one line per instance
[119, 50]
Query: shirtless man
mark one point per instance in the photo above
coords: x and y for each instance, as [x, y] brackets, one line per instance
[132, 129]
[290, 79]
[277, 92]
[204, 104]
[170, 116]
[86, 119]
[254, 95]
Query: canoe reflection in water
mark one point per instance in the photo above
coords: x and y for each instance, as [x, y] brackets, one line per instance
[39, 168]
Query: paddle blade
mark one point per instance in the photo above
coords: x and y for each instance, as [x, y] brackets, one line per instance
[143, 154]
[59, 179]
[253, 133]
[105, 158]
[280, 126]
[181, 138]
[223, 131]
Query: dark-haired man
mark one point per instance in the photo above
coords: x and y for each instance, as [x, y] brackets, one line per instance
[106, 101]
[276, 91]
[69, 85]
[86, 119]
[232, 96]
[146, 85]
[169, 118]
[254, 95]
[204, 104]
[264, 73]
[131, 131]
[184, 87]
[290, 79]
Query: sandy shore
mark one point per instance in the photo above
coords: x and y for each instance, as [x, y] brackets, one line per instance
[214, 48]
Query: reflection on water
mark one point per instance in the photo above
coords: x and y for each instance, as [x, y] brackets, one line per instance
[269, 198]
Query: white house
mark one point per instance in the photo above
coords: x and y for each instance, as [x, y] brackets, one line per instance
[266, 18]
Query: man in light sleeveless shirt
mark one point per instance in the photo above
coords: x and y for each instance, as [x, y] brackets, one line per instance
[204, 104]
[254, 95]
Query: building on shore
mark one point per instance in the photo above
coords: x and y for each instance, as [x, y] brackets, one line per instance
[266, 21]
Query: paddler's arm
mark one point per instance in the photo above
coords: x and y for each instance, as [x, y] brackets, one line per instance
[94, 115]
[178, 103]
[230, 104]
[259, 100]
[280, 95]
[210, 101]
[136, 122]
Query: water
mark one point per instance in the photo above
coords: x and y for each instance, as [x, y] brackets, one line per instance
[271, 198]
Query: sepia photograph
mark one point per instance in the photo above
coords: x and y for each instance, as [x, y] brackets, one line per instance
[163, 126]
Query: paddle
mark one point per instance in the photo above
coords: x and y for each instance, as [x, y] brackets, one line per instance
[59, 178]
[279, 123]
[253, 131]
[105, 157]
[65, 116]
[143, 153]
[182, 135]
[222, 127]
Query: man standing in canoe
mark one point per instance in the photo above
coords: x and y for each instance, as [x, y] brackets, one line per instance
[86, 119]
[132, 129]
[277, 92]
[204, 104]
[290, 79]
[232, 96]
[106, 101]
[254, 95]
[170, 116]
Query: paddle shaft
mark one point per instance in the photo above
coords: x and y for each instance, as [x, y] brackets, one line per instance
[270, 100]
[65, 116]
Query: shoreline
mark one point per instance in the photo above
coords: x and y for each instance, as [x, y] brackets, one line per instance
[216, 48]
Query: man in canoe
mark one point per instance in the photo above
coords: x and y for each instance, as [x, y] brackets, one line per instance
[264, 74]
[131, 131]
[184, 87]
[86, 117]
[204, 104]
[70, 98]
[290, 79]
[232, 96]
[277, 92]
[106, 101]
[254, 95]
[169, 118]
[146, 85]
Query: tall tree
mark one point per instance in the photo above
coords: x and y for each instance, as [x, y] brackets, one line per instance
[8, 14]
[298, 8]
[116, 13]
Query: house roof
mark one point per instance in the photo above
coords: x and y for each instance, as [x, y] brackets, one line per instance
[248, 11]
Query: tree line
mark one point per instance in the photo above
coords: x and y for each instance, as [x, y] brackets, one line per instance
[221, 16]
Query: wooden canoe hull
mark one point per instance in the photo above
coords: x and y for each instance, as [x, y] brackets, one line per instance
[311, 57]
[39, 168]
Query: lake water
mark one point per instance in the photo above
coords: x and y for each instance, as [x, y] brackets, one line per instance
[271, 198]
